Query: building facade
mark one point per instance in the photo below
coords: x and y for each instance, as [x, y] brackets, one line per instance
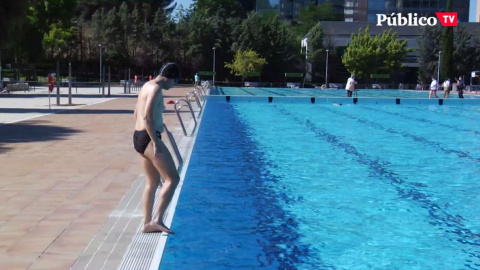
[367, 10]
[364, 10]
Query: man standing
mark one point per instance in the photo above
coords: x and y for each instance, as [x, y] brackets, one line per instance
[433, 88]
[350, 87]
[197, 80]
[460, 86]
[157, 160]
[446, 88]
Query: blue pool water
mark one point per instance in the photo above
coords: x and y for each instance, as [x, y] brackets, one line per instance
[317, 186]
[362, 93]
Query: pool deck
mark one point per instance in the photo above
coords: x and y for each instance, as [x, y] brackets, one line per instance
[63, 176]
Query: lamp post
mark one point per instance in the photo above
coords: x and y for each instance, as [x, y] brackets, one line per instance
[326, 71]
[213, 65]
[100, 48]
[438, 72]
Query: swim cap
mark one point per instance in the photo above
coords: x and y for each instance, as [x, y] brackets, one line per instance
[170, 71]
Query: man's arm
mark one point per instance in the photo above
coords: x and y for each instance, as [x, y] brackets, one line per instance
[149, 117]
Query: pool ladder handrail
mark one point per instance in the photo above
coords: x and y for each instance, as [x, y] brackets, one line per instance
[177, 110]
[175, 148]
[198, 98]
[202, 92]
[191, 95]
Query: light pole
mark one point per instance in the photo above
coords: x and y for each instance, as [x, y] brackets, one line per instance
[326, 71]
[438, 72]
[100, 47]
[213, 65]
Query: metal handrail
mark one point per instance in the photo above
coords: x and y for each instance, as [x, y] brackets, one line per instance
[175, 148]
[177, 110]
[201, 92]
[194, 94]
[189, 97]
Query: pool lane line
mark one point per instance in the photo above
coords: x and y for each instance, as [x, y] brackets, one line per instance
[241, 88]
[406, 190]
[422, 140]
[442, 112]
[455, 128]
[287, 234]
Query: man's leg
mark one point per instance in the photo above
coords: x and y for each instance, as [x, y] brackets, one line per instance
[152, 181]
[165, 165]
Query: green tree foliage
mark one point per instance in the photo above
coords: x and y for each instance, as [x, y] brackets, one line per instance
[42, 14]
[182, 44]
[272, 38]
[246, 61]
[367, 55]
[447, 49]
[465, 56]
[312, 14]
[137, 26]
[428, 45]
[316, 52]
[58, 41]
[213, 24]
[98, 25]
[12, 21]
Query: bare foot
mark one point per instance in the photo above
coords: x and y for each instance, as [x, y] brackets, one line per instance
[153, 227]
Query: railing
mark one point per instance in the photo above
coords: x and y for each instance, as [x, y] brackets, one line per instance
[189, 97]
[178, 109]
[175, 148]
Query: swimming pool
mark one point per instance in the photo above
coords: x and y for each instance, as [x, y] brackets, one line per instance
[296, 185]
[362, 93]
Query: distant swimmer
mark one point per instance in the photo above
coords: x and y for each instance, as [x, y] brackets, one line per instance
[147, 141]
[337, 104]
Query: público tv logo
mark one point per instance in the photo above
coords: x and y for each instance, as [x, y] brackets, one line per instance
[397, 19]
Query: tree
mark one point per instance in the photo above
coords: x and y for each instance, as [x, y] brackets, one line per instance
[136, 30]
[312, 14]
[246, 61]
[58, 41]
[447, 49]
[316, 52]
[213, 24]
[367, 55]
[12, 21]
[428, 45]
[270, 37]
[465, 54]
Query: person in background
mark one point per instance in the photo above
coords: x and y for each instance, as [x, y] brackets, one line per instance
[460, 86]
[197, 80]
[350, 87]
[446, 88]
[433, 88]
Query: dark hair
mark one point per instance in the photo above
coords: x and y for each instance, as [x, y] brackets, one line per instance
[170, 71]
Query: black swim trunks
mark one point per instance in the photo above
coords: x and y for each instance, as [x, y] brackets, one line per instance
[141, 139]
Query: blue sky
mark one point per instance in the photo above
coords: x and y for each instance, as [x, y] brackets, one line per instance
[473, 8]
[184, 3]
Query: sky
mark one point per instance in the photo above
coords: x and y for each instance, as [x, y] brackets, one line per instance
[473, 8]
[184, 3]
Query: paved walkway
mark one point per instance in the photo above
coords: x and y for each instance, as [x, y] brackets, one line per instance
[62, 174]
